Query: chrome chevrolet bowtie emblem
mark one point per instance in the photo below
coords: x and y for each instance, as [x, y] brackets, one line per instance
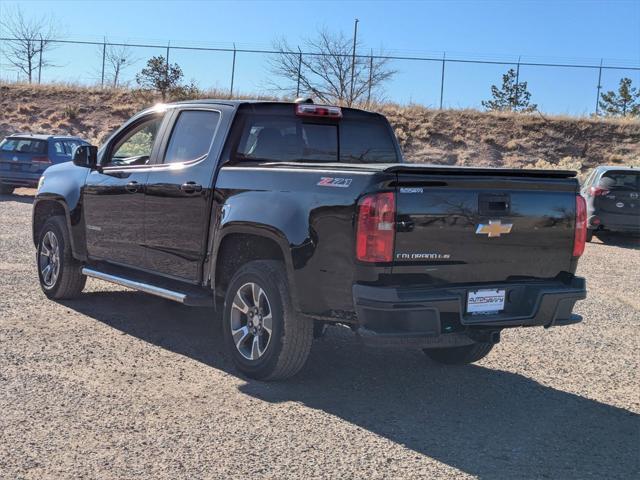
[494, 228]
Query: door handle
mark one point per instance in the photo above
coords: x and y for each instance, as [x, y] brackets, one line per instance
[132, 187]
[190, 187]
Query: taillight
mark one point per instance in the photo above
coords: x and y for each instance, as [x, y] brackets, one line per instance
[376, 227]
[598, 191]
[40, 160]
[580, 234]
[311, 110]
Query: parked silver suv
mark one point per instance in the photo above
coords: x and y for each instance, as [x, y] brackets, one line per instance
[613, 200]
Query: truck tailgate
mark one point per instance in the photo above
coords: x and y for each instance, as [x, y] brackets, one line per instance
[483, 225]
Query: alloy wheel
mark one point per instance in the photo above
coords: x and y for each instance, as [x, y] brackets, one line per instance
[251, 321]
[49, 259]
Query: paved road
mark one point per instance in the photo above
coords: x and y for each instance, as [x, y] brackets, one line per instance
[118, 384]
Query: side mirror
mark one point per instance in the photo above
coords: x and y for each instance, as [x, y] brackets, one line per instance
[85, 156]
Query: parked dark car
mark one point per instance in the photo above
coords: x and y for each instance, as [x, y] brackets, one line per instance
[24, 157]
[289, 217]
[613, 200]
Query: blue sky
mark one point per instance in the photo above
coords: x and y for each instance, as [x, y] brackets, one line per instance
[547, 31]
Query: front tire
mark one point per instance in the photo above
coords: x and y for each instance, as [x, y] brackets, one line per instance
[264, 337]
[60, 274]
[589, 237]
[6, 189]
[459, 355]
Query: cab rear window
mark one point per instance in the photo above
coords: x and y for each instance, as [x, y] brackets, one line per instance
[23, 145]
[357, 138]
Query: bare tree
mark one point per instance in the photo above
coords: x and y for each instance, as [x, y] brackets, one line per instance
[116, 59]
[30, 38]
[325, 70]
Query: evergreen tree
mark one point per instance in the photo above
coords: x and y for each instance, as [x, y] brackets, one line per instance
[626, 101]
[513, 96]
[160, 76]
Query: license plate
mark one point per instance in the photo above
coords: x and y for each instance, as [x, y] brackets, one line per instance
[484, 301]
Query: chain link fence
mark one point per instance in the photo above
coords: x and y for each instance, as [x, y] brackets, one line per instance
[438, 80]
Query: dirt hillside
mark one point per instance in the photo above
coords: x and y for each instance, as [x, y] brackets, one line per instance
[453, 137]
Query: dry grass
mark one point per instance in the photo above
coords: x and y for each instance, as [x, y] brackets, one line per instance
[453, 137]
[469, 137]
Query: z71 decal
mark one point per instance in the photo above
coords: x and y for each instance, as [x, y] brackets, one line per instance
[334, 182]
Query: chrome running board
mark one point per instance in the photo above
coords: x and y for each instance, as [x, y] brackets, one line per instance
[140, 286]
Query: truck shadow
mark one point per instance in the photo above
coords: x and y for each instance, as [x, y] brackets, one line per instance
[617, 240]
[488, 423]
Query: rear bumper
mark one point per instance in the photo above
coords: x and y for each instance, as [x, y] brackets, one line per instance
[615, 222]
[20, 180]
[432, 317]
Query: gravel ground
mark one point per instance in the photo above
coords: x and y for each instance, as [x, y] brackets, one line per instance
[118, 384]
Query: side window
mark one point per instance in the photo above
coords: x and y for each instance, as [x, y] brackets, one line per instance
[58, 147]
[135, 147]
[192, 136]
[70, 145]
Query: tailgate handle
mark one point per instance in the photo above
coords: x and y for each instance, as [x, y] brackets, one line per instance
[494, 204]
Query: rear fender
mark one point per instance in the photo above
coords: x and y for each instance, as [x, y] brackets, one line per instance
[286, 226]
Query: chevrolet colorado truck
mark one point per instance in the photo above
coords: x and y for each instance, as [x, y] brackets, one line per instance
[289, 217]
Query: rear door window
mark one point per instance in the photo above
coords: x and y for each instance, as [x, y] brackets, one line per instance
[192, 136]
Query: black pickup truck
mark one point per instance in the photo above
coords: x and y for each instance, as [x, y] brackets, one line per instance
[293, 216]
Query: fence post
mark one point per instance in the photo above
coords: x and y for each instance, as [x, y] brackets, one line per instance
[599, 87]
[299, 71]
[370, 77]
[353, 60]
[444, 56]
[166, 74]
[517, 83]
[40, 60]
[233, 71]
[104, 56]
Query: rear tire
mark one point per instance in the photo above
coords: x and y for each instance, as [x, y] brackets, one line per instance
[258, 306]
[60, 274]
[6, 189]
[459, 355]
[589, 235]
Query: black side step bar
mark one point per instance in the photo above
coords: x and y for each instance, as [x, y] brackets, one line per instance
[186, 295]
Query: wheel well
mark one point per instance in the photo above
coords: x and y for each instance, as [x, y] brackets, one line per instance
[43, 211]
[237, 249]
